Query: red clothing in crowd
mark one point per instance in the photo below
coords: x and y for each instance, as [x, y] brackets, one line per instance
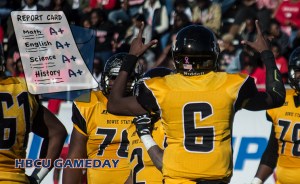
[107, 4]
[288, 12]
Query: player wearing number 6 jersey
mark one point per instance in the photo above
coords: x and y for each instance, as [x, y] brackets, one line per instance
[100, 135]
[283, 150]
[197, 105]
[20, 114]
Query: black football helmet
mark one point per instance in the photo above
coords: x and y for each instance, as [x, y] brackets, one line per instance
[294, 66]
[195, 51]
[111, 71]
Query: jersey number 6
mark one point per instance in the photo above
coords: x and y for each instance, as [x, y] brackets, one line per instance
[197, 139]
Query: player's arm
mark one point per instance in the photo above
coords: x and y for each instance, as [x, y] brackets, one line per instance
[117, 102]
[47, 126]
[144, 125]
[275, 91]
[77, 148]
[268, 161]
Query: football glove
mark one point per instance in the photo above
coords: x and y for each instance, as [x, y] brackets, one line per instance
[143, 125]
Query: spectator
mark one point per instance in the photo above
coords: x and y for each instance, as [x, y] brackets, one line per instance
[181, 6]
[265, 10]
[120, 15]
[278, 36]
[106, 5]
[247, 9]
[288, 15]
[134, 6]
[44, 3]
[86, 22]
[181, 12]
[228, 53]
[208, 14]
[32, 5]
[157, 17]
[249, 32]
[137, 22]
[132, 32]
[180, 20]
[62, 5]
[225, 4]
[104, 34]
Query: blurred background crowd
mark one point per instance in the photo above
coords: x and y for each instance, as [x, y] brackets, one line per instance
[116, 23]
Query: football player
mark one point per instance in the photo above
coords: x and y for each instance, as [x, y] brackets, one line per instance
[197, 105]
[283, 150]
[142, 167]
[20, 114]
[99, 135]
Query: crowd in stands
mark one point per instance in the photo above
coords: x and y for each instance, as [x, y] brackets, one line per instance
[116, 23]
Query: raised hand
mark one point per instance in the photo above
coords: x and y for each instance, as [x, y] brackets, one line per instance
[137, 47]
[260, 44]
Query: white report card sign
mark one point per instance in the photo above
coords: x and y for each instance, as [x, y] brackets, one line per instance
[50, 57]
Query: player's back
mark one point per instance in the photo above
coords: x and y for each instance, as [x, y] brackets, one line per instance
[197, 112]
[107, 139]
[17, 110]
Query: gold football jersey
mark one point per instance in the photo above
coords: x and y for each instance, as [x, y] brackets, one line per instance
[107, 139]
[286, 120]
[17, 111]
[142, 168]
[197, 114]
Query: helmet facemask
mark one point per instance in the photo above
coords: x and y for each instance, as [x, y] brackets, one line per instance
[294, 80]
[294, 70]
[111, 71]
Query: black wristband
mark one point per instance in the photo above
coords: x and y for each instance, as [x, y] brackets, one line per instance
[128, 65]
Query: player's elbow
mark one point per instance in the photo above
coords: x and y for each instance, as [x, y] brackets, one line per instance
[278, 99]
[281, 101]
